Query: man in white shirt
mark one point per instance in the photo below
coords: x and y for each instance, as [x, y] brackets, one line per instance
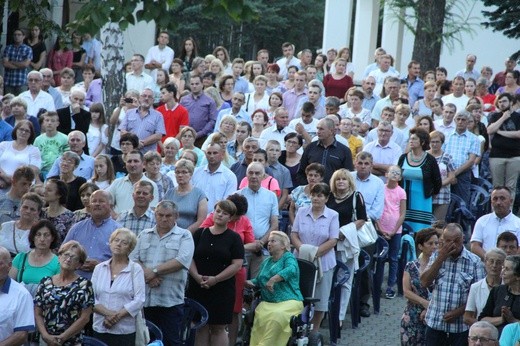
[385, 152]
[288, 60]
[216, 180]
[458, 98]
[470, 71]
[278, 130]
[488, 227]
[160, 56]
[382, 72]
[35, 97]
[446, 125]
[138, 79]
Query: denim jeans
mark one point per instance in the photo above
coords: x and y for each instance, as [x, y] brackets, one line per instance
[394, 244]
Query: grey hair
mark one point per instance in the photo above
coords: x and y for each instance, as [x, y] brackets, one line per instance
[164, 204]
[493, 331]
[73, 156]
[496, 251]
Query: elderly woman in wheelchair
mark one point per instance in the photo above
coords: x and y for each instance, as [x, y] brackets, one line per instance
[281, 299]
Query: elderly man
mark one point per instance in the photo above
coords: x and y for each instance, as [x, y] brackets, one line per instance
[19, 112]
[215, 179]
[384, 151]
[94, 232]
[451, 271]
[250, 146]
[17, 314]
[262, 212]
[123, 187]
[489, 227]
[279, 130]
[165, 252]
[141, 216]
[145, 122]
[10, 202]
[48, 76]
[75, 116]
[76, 142]
[35, 97]
[464, 148]
[484, 333]
[327, 151]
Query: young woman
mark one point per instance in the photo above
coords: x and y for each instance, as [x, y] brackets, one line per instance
[319, 62]
[275, 101]
[289, 83]
[176, 75]
[103, 172]
[78, 58]
[273, 85]
[162, 79]
[35, 41]
[60, 57]
[226, 85]
[66, 83]
[97, 135]
[260, 120]
[243, 131]
[222, 54]
[85, 191]
[188, 53]
[259, 99]
[55, 195]
[469, 87]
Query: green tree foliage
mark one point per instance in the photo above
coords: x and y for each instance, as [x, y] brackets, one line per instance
[434, 23]
[505, 18]
[297, 21]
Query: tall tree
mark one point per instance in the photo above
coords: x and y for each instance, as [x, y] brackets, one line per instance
[434, 23]
[505, 18]
[112, 17]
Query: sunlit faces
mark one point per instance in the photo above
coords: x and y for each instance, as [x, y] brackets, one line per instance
[29, 210]
[273, 152]
[314, 94]
[142, 195]
[429, 246]
[313, 177]
[188, 139]
[134, 164]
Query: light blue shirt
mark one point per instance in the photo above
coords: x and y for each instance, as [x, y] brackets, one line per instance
[85, 168]
[240, 116]
[241, 85]
[262, 205]
[94, 239]
[372, 189]
[216, 185]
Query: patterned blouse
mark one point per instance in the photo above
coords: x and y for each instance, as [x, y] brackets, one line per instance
[62, 305]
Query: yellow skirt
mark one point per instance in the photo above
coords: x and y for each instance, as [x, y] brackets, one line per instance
[271, 326]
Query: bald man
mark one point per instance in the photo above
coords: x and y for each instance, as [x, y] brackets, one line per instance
[451, 270]
[17, 312]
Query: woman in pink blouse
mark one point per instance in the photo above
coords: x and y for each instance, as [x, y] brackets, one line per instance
[59, 58]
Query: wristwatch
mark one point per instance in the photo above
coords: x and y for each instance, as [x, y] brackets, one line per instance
[154, 270]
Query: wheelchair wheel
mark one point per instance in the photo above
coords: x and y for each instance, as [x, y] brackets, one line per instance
[315, 339]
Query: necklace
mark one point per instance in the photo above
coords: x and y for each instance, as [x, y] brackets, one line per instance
[415, 159]
[340, 198]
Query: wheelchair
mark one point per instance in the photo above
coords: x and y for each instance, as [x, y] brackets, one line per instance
[300, 324]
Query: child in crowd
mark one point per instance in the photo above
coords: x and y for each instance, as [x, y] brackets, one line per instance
[103, 172]
[354, 143]
[279, 171]
[391, 223]
[152, 165]
[97, 135]
[401, 121]
[51, 142]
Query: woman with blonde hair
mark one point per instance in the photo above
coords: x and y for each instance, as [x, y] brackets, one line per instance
[217, 68]
[343, 188]
[215, 95]
[119, 291]
[188, 136]
[259, 99]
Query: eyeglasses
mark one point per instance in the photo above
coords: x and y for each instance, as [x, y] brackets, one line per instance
[22, 130]
[395, 172]
[32, 80]
[482, 339]
[68, 256]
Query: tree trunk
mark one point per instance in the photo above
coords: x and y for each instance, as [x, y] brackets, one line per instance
[112, 60]
[428, 38]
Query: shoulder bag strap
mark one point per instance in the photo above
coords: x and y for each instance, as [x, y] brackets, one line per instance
[354, 212]
[19, 277]
[14, 237]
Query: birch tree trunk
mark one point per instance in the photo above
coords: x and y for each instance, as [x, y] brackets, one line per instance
[112, 61]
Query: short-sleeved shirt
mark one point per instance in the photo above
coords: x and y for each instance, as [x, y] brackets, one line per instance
[17, 309]
[391, 210]
[187, 205]
[488, 227]
[173, 119]
[262, 205]
[51, 148]
[136, 223]
[152, 123]
[152, 250]
[478, 295]
[122, 189]
[216, 185]
[461, 146]
[316, 231]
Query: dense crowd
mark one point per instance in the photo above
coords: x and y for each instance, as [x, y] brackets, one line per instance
[214, 174]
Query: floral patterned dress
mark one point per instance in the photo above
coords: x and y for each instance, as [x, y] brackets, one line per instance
[62, 305]
[62, 222]
[412, 329]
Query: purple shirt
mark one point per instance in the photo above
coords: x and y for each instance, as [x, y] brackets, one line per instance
[318, 231]
[94, 93]
[202, 111]
[291, 99]
[144, 127]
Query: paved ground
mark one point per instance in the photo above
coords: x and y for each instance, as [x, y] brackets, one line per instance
[380, 330]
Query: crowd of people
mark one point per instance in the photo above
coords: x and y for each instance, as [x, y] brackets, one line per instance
[214, 173]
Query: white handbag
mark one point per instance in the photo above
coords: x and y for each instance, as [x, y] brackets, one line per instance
[367, 234]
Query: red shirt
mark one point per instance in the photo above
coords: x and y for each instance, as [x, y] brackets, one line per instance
[242, 226]
[174, 119]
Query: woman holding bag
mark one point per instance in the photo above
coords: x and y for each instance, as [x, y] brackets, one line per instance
[119, 293]
[353, 217]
